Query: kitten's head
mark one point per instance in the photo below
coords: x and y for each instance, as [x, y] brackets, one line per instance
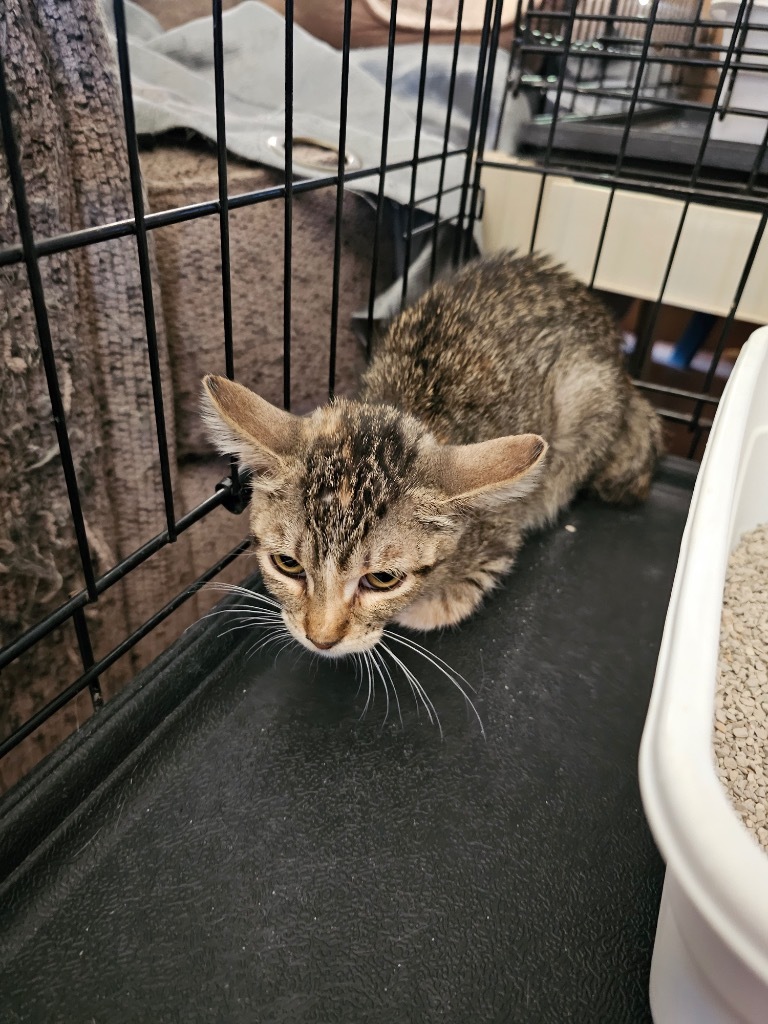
[356, 506]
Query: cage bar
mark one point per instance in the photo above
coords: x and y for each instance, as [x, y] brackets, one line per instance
[41, 629]
[179, 215]
[483, 126]
[383, 170]
[473, 125]
[288, 211]
[416, 145]
[339, 213]
[441, 190]
[221, 171]
[145, 272]
[91, 675]
[43, 327]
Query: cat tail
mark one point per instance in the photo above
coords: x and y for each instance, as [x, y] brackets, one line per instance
[626, 475]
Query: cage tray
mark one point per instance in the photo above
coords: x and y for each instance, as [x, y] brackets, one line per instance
[229, 841]
[661, 138]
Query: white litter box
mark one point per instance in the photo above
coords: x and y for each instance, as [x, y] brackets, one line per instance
[750, 88]
[710, 961]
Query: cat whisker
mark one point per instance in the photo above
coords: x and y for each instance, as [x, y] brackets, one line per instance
[259, 615]
[371, 666]
[240, 609]
[373, 679]
[246, 624]
[233, 588]
[280, 650]
[385, 667]
[276, 634]
[443, 667]
[413, 681]
[377, 661]
[256, 613]
[426, 700]
[369, 699]
[249, 617]
[429, 707]
[420, 649]
[416, 698]
[244, 612]
[358, 665]
[264, 641]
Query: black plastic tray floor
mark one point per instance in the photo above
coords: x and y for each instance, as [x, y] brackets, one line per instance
[237, 845]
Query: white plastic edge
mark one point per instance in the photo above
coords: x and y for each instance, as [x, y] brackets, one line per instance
[726, 10]
[716, 862]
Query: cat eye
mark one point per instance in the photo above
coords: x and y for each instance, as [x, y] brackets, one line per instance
[381, 580]
[288, 566]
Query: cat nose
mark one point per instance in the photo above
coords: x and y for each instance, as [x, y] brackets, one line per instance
[323, 645]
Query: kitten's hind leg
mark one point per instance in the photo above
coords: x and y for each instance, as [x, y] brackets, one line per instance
[625, 477]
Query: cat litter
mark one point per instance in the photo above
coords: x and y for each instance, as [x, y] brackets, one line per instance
[741, 703]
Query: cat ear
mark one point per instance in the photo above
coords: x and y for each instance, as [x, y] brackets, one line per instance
[242, 424]
[491, 471]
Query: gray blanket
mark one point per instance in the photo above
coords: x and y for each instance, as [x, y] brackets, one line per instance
[173, 87]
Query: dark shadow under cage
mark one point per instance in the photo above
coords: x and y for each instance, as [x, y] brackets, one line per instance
[626, 138]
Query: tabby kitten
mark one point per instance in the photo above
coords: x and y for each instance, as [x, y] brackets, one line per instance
[487, 406]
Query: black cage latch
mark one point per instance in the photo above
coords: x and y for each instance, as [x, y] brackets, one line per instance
[237, 491]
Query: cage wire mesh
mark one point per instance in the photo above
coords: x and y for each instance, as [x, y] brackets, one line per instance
[571, 112]
[656, 113]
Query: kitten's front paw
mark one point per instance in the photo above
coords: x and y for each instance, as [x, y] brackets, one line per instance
[447, 608]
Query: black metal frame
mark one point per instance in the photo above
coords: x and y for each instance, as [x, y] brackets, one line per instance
[575, 147]
[550, 158]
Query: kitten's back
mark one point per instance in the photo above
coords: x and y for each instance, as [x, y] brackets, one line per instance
[513, 344]
[474, 357]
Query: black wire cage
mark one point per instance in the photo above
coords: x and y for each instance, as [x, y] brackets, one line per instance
[255, 190]
[612, 110]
